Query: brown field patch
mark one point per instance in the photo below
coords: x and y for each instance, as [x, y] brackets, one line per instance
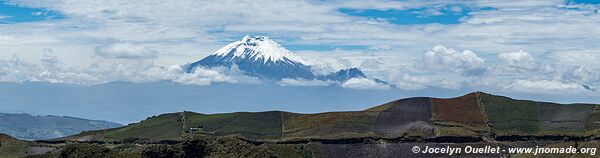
[463, 110]
[329, 125]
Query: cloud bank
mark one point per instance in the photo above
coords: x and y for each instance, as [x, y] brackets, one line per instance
[494, 44]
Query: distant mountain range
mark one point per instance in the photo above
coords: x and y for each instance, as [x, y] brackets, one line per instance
[28, 127]
[262, 57]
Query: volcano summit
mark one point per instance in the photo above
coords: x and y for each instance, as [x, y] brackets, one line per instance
[262, 57]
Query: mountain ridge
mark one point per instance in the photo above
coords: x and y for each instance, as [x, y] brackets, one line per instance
[29, 127]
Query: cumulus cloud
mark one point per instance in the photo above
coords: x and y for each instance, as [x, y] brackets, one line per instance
[50, 60]
[126, 50]
[409, 82]
[522, 62]
[303, 82]
[517, 58]
[446, 59]
[364, 83]
[16, 70]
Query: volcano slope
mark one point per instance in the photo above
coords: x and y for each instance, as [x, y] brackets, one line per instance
[388, 130]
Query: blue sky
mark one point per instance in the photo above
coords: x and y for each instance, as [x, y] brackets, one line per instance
[584, 1]
[527, 46]
[425, 15]
[17, 14]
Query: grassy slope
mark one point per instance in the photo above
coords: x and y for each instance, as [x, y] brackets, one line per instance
[10, 148]
[153, 128]
[505, 114]
[162, 127]
[256, 126]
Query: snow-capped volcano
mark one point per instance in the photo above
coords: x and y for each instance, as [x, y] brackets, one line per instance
[258, 48]
[262, 57]
[258, 56]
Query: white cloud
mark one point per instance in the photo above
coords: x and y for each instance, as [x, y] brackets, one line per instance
[407, 81]
[186, 30]
[364, 83]
[52, 70]
[319, 23]
[372, 64]
[517, 58]
[519, 4]
[303, 82]
[203, 76]
[545, 86]
[137, 71]
[576, 57]
[126, 50]
[4, 17]
[584, 74]
[50, 60]
[76, 78]
[16, 70]
[445, 59]
[522, 62]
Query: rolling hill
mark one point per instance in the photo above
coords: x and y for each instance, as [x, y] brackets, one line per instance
[472, 115]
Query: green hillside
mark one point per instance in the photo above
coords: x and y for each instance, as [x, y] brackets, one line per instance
[162, 127]
[506, 114]
[474, 115]
[255, 126]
